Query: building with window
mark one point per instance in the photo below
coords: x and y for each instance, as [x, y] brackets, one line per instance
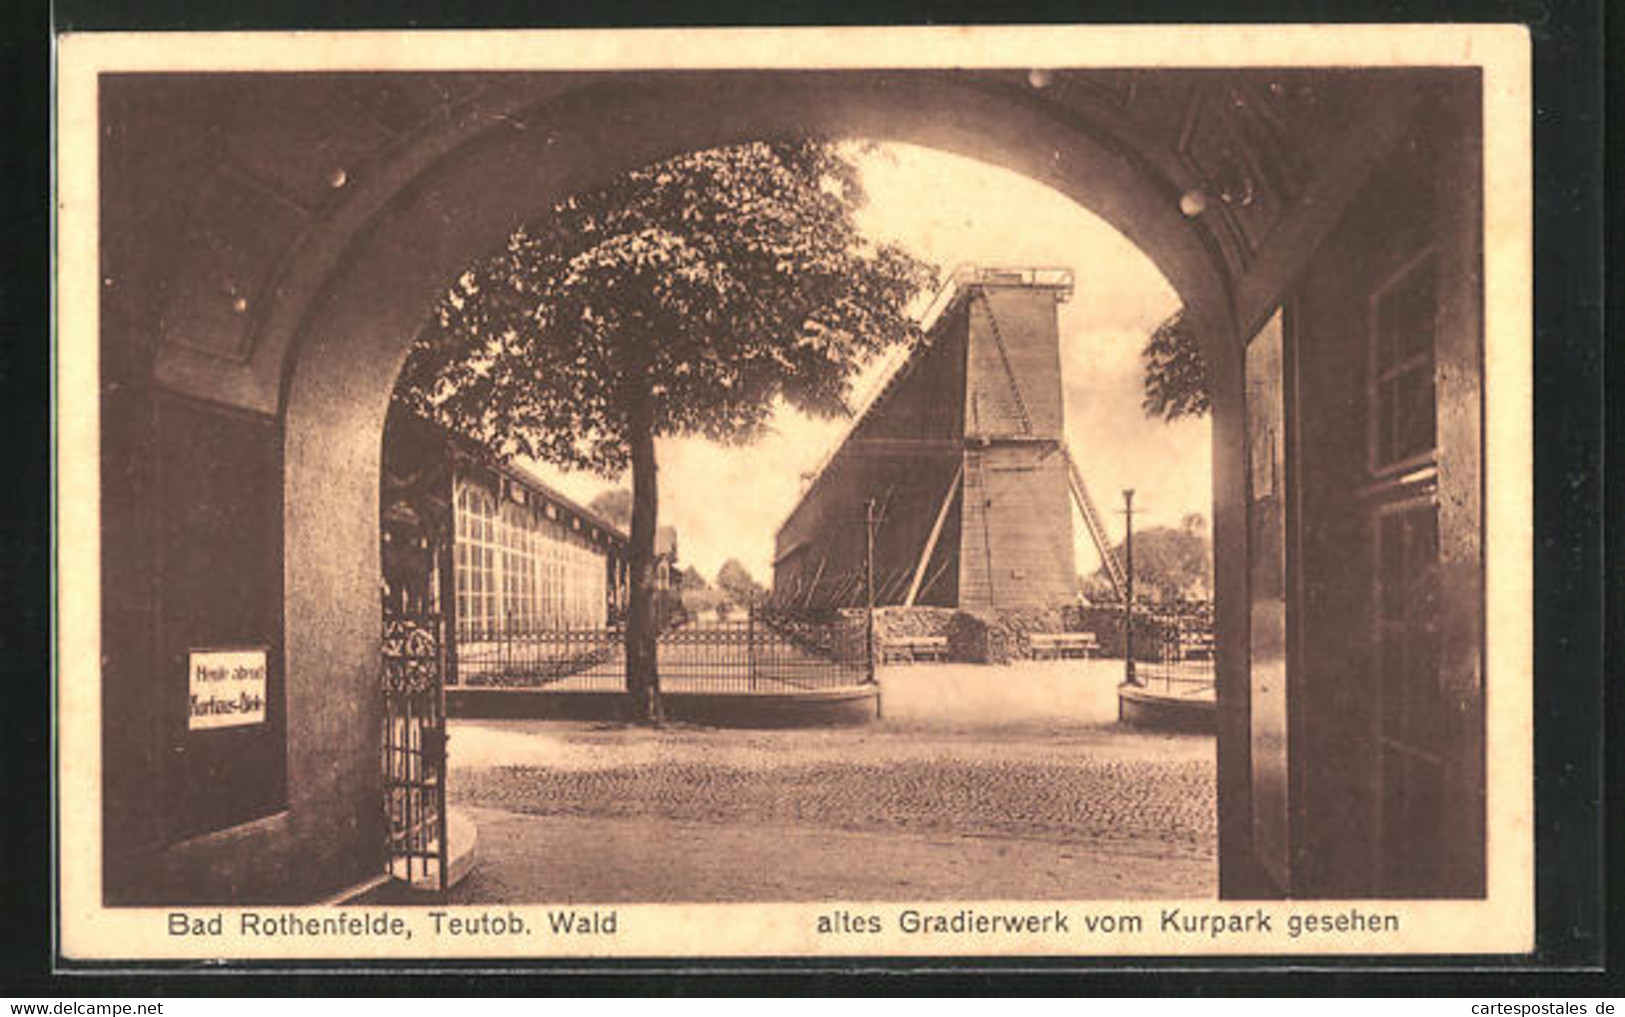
[962, 453]
[1323, 227]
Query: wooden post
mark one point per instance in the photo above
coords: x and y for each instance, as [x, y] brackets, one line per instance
[446, 595]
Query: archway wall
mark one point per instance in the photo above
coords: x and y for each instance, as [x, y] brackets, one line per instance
[356, 231]
[348, 356]
[1359, 692]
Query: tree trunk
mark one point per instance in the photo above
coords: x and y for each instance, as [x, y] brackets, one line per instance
[642, 671]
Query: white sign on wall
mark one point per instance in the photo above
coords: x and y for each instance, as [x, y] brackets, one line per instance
[227, 688]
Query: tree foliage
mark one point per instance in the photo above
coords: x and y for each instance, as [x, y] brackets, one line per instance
[710, 285]
[614, 505]
[1176, 382]
[739, 584]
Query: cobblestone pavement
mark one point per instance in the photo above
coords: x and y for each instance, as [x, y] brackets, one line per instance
[923, 805]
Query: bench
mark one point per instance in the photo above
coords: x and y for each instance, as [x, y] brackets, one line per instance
[1196, 645]
[1058, 645]
[912, 648]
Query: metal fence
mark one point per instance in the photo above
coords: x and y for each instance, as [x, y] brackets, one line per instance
[764, 652]
[1181, 656]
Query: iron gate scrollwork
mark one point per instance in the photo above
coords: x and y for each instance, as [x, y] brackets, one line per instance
[414, 748]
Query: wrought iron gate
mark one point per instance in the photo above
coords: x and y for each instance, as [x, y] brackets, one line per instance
[416, 842]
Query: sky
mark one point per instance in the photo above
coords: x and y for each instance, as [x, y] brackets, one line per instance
[727, 502]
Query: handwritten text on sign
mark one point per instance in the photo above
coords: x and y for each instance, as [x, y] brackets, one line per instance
[227, 688]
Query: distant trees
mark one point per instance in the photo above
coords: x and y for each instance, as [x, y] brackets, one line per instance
[693, 580]
[1169, 564]
[741, 587]
[614, 505]
[1098, 588]
[734, 589]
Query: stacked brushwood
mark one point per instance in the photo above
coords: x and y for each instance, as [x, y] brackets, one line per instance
[850, 633]
[911, 622]
[996, 637]
[891, 624]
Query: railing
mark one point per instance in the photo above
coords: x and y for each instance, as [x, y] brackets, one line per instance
[966, 274]
[763, 652]
[1097, 529]
[1181, 654]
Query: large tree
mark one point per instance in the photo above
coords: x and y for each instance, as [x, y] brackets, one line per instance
[684, 298]
[739, 584]
[614, 505]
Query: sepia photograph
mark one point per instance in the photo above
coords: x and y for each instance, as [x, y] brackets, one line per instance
[796, 493]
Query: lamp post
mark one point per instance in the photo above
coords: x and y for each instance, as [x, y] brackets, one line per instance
[1129, 677]
[870, 518]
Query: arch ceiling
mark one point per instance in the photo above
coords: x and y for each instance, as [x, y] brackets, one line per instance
[273, 242]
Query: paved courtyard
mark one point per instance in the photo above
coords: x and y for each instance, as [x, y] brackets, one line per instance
[979, 783]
